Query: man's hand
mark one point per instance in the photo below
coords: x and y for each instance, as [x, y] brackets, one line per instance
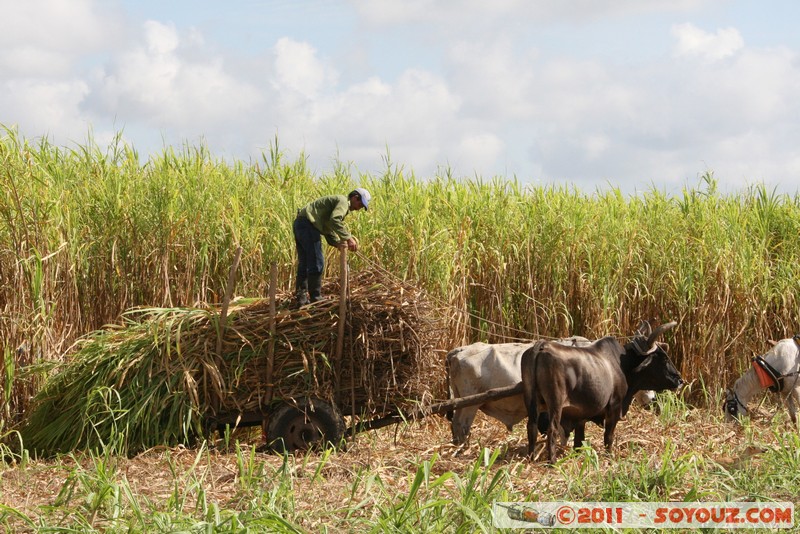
[350, 244]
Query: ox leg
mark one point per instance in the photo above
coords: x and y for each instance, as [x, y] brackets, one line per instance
[553, 433]
[533, 435]
[462, 423]
[580, 434]
[530, 398]
[533, 424]
[608, 434]
[791, 405]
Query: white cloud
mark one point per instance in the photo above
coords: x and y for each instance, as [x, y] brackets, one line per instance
[298, 69]
[161, 40]
[46, 38]
[26, 60]
[692, 41]
[494, 78]
[456, 18]
[596, 145]
[45, 108]
[413, 117]
[491, 94]
[44, 45]
[478, 152]
[668, 120]
[154, 83]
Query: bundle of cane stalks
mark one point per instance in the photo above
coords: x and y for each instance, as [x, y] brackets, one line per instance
[158, 377]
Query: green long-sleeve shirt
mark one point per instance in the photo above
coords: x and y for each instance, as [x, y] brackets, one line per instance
[327, 215]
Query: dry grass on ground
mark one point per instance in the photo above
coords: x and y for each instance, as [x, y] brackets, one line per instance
[393, 454]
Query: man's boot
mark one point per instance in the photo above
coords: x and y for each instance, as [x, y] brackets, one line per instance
[315, 287]
[300, 293]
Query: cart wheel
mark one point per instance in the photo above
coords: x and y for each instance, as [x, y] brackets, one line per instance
[311, 423]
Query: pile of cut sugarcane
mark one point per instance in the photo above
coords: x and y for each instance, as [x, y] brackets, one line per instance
[157, 378]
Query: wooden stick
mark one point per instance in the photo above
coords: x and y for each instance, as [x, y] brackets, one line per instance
[352, 378]
[273, 282]
[438, 408]
[342, 320]
[223, 314]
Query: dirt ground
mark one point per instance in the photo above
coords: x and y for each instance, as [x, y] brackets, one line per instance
[393, 452]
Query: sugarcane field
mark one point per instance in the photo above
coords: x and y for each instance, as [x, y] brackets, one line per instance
[478, 345]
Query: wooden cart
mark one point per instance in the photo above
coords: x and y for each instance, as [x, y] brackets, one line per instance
[305, 418]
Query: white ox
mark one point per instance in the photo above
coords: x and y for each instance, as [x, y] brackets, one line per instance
[784, 358]
[479, 367]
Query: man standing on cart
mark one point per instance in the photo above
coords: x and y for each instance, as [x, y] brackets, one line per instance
[324, 216]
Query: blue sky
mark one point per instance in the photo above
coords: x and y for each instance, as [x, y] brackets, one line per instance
[629, 94]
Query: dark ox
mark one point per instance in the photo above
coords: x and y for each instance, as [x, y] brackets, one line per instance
[594, 383]
[480, 367]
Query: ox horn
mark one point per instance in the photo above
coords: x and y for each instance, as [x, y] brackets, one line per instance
[644, 329]
[660, 330]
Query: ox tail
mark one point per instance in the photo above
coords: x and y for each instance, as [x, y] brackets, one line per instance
[530, 364]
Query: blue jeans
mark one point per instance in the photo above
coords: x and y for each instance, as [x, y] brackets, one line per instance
[307, 239]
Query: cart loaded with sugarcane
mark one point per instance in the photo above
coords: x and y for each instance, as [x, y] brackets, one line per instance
[371, 352]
